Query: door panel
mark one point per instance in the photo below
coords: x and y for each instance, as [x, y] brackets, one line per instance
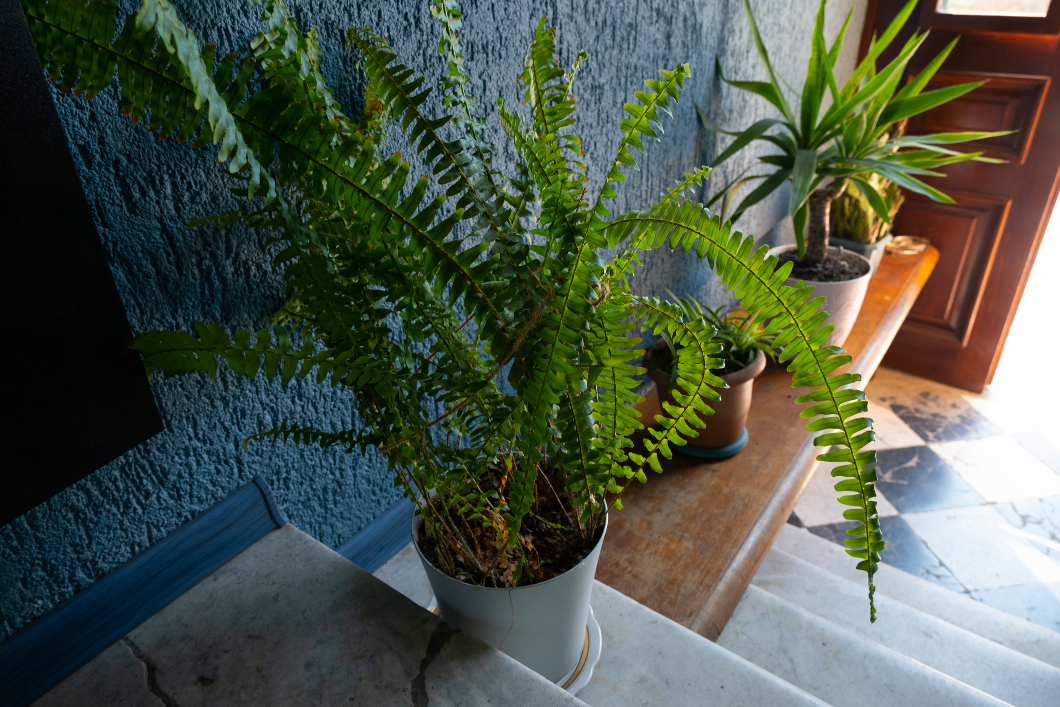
[967, 236]
[989, 237]
[1006, 102]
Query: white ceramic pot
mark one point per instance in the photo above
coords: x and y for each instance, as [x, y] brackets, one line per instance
[842, 299]
[872, 251]
[547, 627]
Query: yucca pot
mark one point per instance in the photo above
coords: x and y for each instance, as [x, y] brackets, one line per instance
[546, 626]
[726, 430]
[873, 252]
[843, 299]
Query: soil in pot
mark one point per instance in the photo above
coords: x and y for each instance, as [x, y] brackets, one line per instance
[837, 267]
[552, 541]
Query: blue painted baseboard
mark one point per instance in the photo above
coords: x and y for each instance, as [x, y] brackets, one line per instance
[41, 655]
[381, 539]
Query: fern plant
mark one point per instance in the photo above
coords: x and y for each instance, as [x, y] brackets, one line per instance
[419, 307]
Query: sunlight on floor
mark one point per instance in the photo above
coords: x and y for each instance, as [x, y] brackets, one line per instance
[1026, 381]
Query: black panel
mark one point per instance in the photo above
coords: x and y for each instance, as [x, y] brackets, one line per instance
[43, 654]
[74, 397]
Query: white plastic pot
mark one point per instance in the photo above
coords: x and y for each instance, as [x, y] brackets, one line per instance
[842, 299]
[548, 627]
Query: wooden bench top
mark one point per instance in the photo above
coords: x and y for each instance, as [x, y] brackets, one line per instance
[689, 541]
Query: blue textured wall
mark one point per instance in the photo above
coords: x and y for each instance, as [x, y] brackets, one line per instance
[143, 192]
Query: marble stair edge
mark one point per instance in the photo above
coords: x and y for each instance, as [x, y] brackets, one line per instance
[834, 664]
[965, 656]
[962, 611]
[289, 621]
[650, 659]
[647, 658]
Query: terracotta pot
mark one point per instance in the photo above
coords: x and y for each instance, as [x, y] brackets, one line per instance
[726, 431]
[842, 299]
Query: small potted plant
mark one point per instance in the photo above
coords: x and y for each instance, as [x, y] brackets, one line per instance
[744, 347]
[826, 151]
[855, 226]
[416, 319]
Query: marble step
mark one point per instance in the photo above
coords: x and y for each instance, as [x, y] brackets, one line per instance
[834, 664]
[963, 655]
[650, 660]
[1012, 632]
[290, 622]
[404, 572]
[646, 658]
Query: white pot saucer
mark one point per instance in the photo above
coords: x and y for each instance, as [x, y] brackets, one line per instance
[583, 672]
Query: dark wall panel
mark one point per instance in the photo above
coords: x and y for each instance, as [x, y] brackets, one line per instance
[75, 398]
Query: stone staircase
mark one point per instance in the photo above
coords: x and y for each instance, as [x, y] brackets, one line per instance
[805, 619]
[801, 636]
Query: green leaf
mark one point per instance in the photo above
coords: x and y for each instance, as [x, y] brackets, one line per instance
[839, 112]
[868, 63]
[816, 78]
[763, 190]
[799, 223]
[777, 97]
[908, 107]
[875, 200]
[802, 178]
[744, 138]
[917, 84]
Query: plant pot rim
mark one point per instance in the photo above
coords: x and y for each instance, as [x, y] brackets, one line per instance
[749, 372]
[417, 520]
[882, 240]
[775, 250]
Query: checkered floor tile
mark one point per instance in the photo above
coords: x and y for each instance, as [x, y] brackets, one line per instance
[967, 499]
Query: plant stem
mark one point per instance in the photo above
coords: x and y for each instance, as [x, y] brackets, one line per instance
[820, 207]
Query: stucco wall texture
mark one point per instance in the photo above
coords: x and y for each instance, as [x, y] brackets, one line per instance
[144, 191]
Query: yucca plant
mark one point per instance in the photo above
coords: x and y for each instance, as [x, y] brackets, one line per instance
[853, 218]
[826, 148]
[419, 307]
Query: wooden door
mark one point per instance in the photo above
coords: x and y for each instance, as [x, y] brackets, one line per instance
[988, 239]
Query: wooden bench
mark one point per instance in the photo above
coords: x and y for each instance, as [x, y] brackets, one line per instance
[689, 541]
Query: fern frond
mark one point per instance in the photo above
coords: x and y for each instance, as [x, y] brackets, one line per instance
[693, 381]
[610, 348]
[464, 172]
[797, 321]
[290, 56]
[547, 85]
[178, 353]
[644, 120]
[686, 188]
[306, 436]
[172, 78]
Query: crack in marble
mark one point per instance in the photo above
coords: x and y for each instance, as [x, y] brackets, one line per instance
[439, 637]
[152, 673]
[888, 473]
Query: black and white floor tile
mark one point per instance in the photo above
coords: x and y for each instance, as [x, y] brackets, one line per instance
[968, 498]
